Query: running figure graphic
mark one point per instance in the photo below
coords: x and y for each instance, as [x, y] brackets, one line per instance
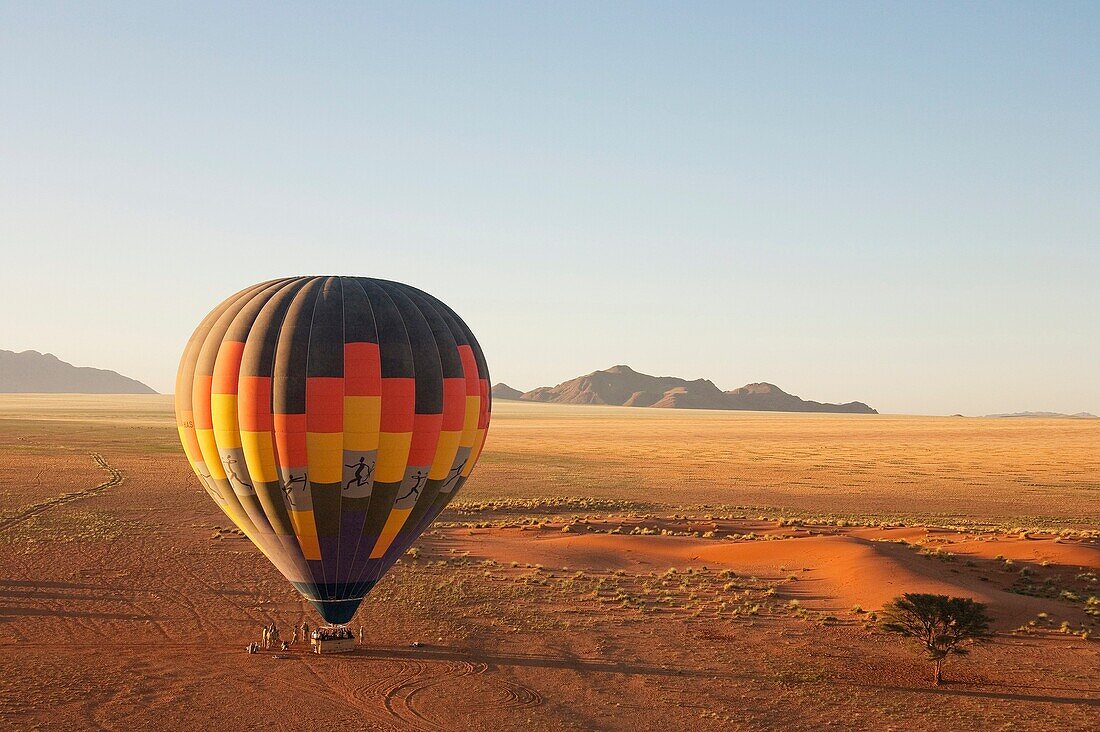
[291, 480]
[359, 478]
[420, 476]
[230, 461]
[454, 474]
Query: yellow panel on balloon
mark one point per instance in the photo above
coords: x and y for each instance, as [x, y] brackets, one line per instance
[393, 524]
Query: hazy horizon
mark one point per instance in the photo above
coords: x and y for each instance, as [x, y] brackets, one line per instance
[889, 204]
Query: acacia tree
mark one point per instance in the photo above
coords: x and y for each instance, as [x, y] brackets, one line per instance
[942, 625]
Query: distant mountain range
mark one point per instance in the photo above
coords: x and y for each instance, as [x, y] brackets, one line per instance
[34, 372]
[623, 386]
[1079, 415]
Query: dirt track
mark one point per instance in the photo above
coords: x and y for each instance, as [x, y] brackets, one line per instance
[115, 478]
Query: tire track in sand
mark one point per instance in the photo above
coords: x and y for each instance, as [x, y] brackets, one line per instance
[335, 680]
[396, 692]
[515, 696]
[390, 694]
[115, 477]
[402, 699]
[398, 697]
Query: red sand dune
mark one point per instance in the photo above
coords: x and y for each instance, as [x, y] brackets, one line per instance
[834, 572]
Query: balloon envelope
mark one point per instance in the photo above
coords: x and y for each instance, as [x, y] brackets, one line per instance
[332, 419]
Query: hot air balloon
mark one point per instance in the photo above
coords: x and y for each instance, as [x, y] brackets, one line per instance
[332, 419]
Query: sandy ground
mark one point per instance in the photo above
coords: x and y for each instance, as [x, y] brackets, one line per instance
[1010, 471]
[125, 602]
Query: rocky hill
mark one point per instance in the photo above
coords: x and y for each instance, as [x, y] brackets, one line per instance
[34, 372]
[503, 391]
[623, 386]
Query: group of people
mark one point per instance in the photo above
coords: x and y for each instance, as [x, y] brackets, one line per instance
[270, 639]
[338, 633]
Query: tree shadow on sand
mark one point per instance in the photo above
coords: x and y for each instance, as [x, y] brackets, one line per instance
[8, 614]
[1004, 696]
[601, 665]
[569, 663]
[39, 584]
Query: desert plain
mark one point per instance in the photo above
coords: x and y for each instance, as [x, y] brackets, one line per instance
[605, 568]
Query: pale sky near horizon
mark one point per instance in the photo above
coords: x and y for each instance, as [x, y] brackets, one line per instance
[892, 203]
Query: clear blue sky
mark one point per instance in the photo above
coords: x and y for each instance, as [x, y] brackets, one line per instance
[897, 203]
